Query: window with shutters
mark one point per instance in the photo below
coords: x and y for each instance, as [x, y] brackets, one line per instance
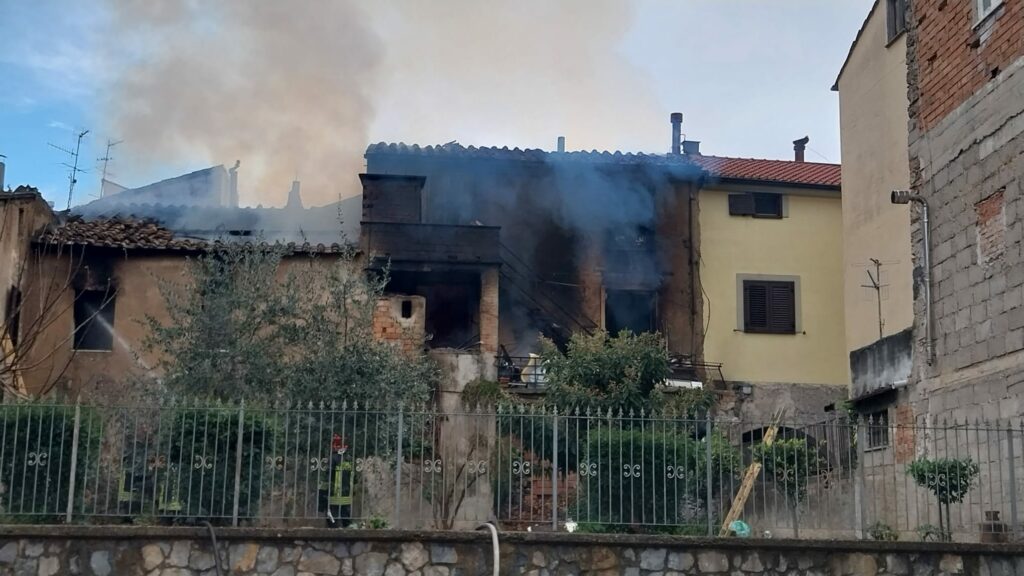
[769, 306]
[756, 204]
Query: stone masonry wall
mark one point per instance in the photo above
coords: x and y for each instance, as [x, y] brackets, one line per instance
[121, 551]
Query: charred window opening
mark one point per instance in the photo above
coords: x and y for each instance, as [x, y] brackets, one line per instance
[452, 307]
[633, 310]
[94, 320]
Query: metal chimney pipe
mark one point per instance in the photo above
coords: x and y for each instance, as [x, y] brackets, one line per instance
[561, 143]
[677, 132]
[2, 168]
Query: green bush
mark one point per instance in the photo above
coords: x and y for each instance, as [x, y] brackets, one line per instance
[202, 448]
[35, 458]
[949, 479]
[650, 477]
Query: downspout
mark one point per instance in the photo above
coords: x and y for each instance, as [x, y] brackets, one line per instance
[906, 197]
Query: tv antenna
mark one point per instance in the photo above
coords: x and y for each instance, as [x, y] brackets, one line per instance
[73, 169]
[106, 158]
[876, 285]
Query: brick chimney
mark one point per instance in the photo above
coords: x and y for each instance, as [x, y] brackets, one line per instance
[798, 148]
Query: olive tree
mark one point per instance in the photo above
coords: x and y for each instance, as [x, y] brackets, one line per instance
[259, 321]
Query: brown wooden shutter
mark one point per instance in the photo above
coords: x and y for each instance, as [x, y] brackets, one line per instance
[741, 204]
[781, 307]
[769, 307]
[755, 304]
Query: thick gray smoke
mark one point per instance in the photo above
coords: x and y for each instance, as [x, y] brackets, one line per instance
[285, 87]
[301, 87]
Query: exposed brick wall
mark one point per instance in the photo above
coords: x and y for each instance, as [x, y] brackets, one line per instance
[991, 228]
[390, 325]
[905, 426]
[955, 57]
[966, 158]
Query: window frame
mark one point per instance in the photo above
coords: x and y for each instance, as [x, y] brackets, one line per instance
[107, 307]
[746, 204]
[982, 13]
[894, 28]
[746, 284]
[877, 434]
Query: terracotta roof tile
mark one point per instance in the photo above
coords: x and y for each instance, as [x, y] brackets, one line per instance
[782, 171]
[722, 167]
[135, 234]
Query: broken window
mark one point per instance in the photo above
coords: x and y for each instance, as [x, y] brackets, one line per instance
[94, 320]
[633, 310]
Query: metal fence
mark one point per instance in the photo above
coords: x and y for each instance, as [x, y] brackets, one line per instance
[525, 466]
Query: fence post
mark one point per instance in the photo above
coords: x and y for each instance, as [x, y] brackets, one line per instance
[1013, 482]
[398, 468]
[74, 459]
[238, 463]
[707, 472]
[858, 485]
[554, 474]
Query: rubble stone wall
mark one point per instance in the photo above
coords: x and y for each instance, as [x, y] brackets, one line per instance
[106, 551]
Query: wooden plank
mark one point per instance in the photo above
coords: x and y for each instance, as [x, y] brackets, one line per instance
[749, 478]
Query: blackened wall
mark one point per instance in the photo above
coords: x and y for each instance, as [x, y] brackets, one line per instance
[570, 228]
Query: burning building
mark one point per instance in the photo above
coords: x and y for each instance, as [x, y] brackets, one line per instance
[589, 241]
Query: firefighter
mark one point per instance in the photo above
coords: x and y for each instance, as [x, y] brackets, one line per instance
[340, 485]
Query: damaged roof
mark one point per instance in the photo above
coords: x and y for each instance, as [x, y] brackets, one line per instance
[136, 234]
[718, 167]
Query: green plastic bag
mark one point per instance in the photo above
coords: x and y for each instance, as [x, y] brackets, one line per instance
[740, 528]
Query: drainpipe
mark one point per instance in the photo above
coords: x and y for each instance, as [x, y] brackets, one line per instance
[906, 197]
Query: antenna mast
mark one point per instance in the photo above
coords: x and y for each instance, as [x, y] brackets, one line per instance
[73, 169]
[106, 158]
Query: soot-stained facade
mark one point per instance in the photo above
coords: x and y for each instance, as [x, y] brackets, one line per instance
[587, 240]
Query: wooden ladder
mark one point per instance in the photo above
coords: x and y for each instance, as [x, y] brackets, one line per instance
[750, 477]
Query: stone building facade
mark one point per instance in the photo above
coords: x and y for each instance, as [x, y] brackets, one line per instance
[966, 79]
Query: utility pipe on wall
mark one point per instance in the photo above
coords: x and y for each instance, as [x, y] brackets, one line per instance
[906, 197]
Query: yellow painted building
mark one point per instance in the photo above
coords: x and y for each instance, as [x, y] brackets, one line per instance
[873, 120]
[771, 272]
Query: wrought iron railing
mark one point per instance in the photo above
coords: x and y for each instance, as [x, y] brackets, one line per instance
[525, 466]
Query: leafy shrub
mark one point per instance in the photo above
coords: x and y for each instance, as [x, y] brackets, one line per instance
[605, 371]
[949, 479]
[789, 462]
[883, 532]
[35, 458]
[633, 477]
[201, 446]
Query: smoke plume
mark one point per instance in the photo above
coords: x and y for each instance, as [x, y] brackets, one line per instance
[300, 88]
[285, 87]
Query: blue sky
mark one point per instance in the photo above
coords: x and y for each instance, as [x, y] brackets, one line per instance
[749, 76]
